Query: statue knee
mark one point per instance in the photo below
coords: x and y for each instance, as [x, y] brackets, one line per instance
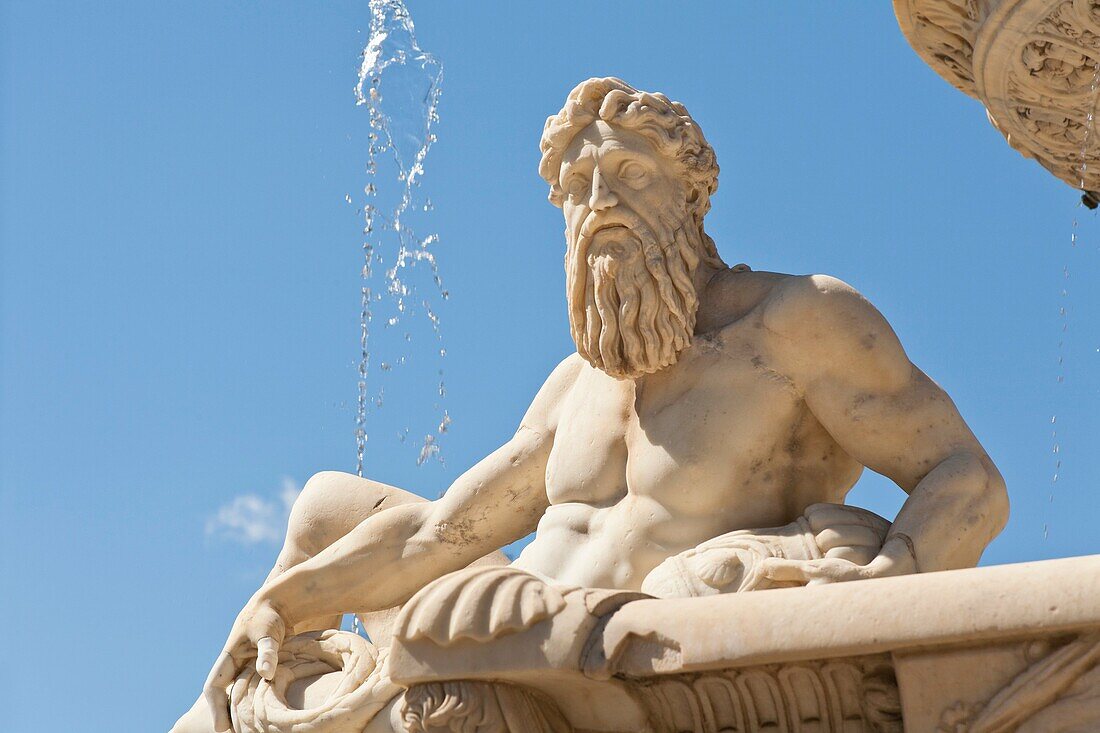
[332, 503]
[315, 510]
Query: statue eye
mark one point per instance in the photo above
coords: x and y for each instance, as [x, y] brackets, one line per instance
[577, 185]
[632, 172]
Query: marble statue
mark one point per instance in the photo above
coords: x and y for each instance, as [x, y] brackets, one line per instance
[700, 442]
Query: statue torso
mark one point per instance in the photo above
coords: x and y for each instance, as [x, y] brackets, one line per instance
[643, 470]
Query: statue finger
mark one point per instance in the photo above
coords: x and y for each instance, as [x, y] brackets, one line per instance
[851, 535]
[214, 691]
[267, 657]
[836, 570]
[798, 571]
[822, 516]
[857, 555]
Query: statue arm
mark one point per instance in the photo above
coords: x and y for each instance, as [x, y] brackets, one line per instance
[886, 413]
[392, 554]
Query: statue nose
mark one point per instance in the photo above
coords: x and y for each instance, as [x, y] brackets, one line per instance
[602, 196]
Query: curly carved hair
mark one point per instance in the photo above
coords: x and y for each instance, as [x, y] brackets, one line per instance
[664, 123]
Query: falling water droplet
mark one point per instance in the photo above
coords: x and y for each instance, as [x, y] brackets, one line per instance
[428, 449]
[1074, 238]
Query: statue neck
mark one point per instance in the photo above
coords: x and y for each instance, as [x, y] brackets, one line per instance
[703, 274]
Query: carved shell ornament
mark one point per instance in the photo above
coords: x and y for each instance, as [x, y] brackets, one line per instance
[1032, 63]
[479, 605]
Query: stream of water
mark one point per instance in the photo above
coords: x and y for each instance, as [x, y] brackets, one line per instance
[399, 87]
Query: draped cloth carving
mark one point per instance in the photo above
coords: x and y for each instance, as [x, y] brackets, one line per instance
[733, 562]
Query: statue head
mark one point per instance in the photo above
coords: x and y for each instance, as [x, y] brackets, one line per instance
[633, 175]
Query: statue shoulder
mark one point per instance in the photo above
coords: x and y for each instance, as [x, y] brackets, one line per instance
[542, 415]
[824, 323]
[801, 304]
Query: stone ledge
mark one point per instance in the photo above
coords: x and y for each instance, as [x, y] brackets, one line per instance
[1005, 648]
[865, 617]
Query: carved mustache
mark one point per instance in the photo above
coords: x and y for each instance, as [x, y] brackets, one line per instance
[617, 217]
[659, 224]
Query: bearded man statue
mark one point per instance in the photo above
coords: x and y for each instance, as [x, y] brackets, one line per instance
[701, 440]
[631, 260]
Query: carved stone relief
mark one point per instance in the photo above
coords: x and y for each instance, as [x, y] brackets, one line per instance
[844, 695]
[943, 34]
[1058, 693]
[1033, 63]
[479, 707]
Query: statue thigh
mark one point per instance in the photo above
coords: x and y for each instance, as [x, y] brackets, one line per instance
[332, 503]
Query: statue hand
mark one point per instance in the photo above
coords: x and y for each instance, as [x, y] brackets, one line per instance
[846, 532]
[894, 558]
[257, 632]
[825, 570]
[850, 539]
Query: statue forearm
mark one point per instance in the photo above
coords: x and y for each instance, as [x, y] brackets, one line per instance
[379, 564]
[951, 515]
[390, 555]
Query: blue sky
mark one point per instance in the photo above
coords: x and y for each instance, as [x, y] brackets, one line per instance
[179, 292]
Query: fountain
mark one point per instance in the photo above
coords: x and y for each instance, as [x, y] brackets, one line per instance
[694, 567]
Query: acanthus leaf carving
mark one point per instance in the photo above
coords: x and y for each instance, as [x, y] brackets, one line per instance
[465, 706]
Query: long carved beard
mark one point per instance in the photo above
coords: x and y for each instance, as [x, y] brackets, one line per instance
[631, 292]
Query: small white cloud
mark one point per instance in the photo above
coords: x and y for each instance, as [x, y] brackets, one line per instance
[251, 519]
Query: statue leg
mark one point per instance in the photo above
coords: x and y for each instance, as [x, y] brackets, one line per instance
[332, 504]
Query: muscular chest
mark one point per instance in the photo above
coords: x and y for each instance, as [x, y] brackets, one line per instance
[683, 437]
